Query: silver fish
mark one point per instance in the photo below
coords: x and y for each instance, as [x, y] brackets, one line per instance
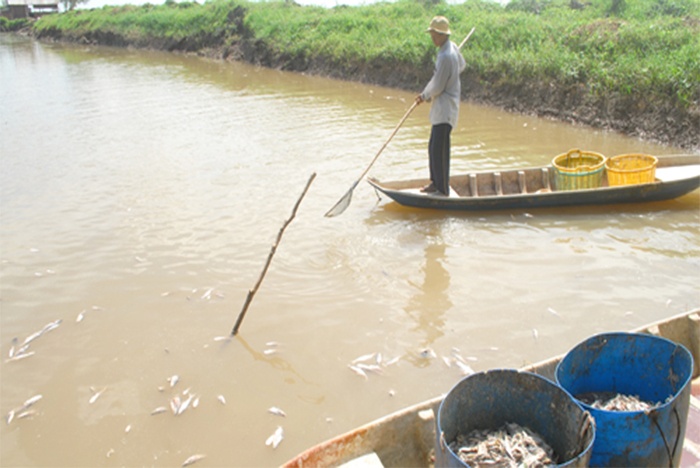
[392, 361]
[364, 357]
[195, 403]
[193, 459]
[221, 399]
[173, 380]
[175, 404]
[97, 394]
[47, 328]
[51, 326]
[26, 414]
[127, 429]
[12, 348]
[10, 416]
[160, 409]
[276, 411]
[370, 367]
[32, 337]
[466, 369]
[358, 371]
[185, 404]
[31, 401]
[18, 357]
[275, 439]
[80, 316]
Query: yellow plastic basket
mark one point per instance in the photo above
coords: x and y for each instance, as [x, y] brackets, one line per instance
[628, 169]
[578, 169]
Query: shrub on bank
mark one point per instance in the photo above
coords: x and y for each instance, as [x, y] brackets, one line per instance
[8, 25]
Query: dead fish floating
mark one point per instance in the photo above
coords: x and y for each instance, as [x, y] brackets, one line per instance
[23, 352]
[23, 411]
[358, 371]
[276, 411]
[20, 356]
[174, 379]
[276, 437]
[96, 394]
[175, 404]
[185, 404]
[47, 328]
[11, 353]
[372, 362]
[193, 459]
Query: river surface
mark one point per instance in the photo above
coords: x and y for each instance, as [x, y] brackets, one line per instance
[141, 193]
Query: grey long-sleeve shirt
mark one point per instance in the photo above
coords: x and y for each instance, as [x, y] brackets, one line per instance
[444, 87]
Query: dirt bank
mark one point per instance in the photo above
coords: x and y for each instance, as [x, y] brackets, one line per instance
[667, 122]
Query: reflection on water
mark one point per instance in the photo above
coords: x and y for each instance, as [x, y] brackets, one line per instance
[142, 191]
[431, 301]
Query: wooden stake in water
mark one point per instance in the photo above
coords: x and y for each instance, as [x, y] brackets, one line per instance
[252, 292]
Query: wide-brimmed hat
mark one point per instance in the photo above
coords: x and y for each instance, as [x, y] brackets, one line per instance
[439, 24]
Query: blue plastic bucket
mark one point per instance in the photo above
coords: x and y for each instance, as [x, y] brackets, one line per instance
[488, 400]
[651, 368]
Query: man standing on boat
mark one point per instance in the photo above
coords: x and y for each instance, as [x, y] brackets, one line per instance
[444, 89]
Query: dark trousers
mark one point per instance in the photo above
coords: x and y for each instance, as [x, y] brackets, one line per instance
[439, 152]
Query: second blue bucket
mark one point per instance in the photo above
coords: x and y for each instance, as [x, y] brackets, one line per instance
[655, 370]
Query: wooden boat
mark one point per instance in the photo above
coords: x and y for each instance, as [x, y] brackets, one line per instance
[536, 187]
[406, 438]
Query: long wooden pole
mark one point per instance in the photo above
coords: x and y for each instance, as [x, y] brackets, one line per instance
[251, 293]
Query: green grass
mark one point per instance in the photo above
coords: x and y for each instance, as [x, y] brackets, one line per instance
[8, 25]
[645, 49]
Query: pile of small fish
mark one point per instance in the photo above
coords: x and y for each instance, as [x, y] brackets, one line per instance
[509, 446]
[617, 402]
[22, 352]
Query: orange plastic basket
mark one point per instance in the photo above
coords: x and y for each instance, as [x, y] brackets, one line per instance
[578, 169]
[628, 169]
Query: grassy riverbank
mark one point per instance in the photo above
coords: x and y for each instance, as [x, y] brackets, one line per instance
[632, 66]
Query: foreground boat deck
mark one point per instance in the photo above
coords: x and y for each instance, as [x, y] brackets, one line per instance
[691, 445]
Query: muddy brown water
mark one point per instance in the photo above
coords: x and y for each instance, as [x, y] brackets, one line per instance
[144, 190]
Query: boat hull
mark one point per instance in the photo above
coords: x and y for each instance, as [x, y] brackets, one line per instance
[533, 188]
